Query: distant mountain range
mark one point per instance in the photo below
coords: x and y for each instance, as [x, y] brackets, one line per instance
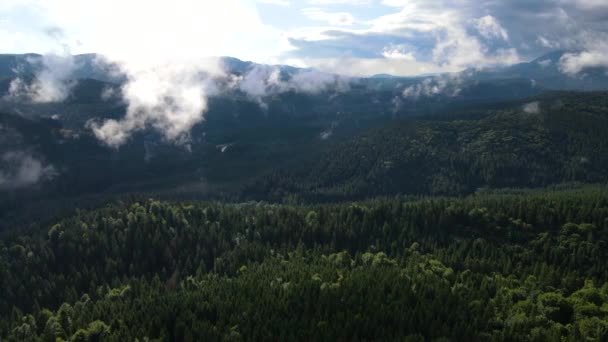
[545, 71]
[235, 152]
[380, 94]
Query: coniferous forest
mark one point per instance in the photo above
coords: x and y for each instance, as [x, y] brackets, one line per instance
[495, 266]
[482, 224]
[420, 171]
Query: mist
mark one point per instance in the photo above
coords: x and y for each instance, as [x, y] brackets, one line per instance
[445, 85]
[170, 98]
[51, 82]
[263, 81]
[19, 169]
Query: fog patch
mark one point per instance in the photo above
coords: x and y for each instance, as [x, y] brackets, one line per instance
[445, 85]
[170, 98]
[262, 81]
[21, 169]
[532, 107]
[50, 83]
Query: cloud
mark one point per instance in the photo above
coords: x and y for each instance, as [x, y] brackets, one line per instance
[574, 63]
[445, 85]
[326, 134]
[453, 35]
[52, 79]
[591, 4]
[259, 82]
[490, 28]
[400, 37]
[331, 18]
[314, 82]
[450, 35]
[398, 52]
[544, 42]
[545, 63]
[169, 98]
[263, 80]
[532, 107]
[340, 2]
[372, 66]
[51, 83]
[163, 50]
[434, 36]
[20, 169]
[275, 2]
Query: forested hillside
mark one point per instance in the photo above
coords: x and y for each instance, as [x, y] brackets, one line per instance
[304, 170]
[555, 138]
[488, 264]
[519, 266]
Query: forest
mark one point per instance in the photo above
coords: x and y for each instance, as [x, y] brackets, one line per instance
[493, 266]
[304, 170]
[455, 153]
[482, 217]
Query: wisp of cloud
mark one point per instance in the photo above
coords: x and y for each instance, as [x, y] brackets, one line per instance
[52, 81]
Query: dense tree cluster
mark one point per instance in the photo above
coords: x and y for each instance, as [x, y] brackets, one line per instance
[563, 140]
[298, 153]
[508, 266]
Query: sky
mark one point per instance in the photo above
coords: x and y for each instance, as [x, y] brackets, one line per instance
[351, 37]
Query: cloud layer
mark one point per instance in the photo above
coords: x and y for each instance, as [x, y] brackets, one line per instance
[420, 36]
[404, 37]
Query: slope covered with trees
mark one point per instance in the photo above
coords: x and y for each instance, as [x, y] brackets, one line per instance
[555, 138]
[508, 266]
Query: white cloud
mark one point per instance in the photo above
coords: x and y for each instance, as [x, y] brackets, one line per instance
[446, 85]
[398, 52]
[52, 84]
[340, 2]
[160, 46]
[574, 63]
[591, 4]
[353, 66]
[395, 3]
[544, 42]
[490, 28]
[454, 48]
[275, 2]
[262, 81]
[331, 18]
[411, 18]
[170, 98]
[457, 48]
[313, 82]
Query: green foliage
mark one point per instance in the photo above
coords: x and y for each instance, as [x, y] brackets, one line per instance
[565, 142]
[497, 267]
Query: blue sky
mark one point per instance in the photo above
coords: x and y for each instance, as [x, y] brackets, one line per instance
[354, 37]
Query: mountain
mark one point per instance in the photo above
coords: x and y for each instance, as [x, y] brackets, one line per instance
[546, 73]
[466, 207]
[308, 145]
[84, 66]
[556, 138]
